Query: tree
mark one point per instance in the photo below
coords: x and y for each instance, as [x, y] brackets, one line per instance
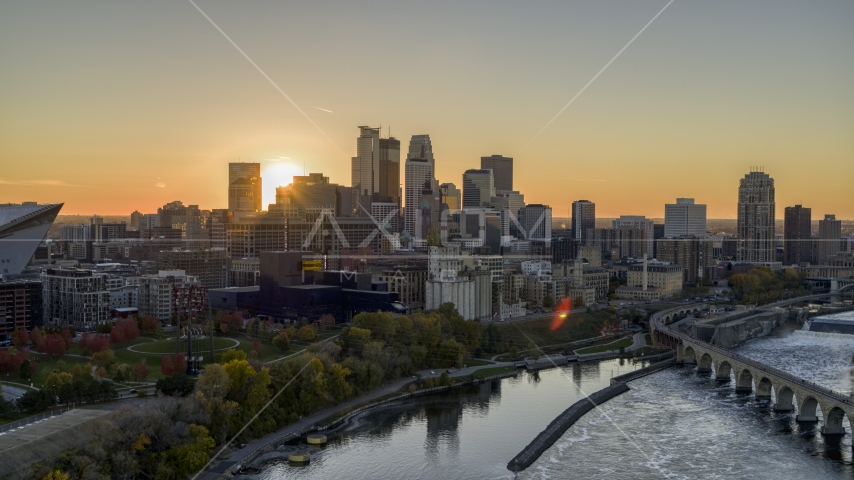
[20, 338]
[77, 370]
[56, 380]
[105, 359]
[37, 337]
[178, 384]
[281, 342]
[232, 354]
[140, 371]
[180, 363]
[325, 321]
[306, 333]
[257, 349]
[148, 324]
[54, 345]
[548, 302]
[26, 369]
[56, 475]
[35, 401]
[450, 354]
[122, 373]
[67, 337]
[167, 365]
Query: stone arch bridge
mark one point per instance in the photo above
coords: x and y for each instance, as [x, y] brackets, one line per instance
[787, 392]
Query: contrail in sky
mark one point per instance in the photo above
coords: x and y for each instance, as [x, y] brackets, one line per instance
[267, 77]
[325, 110]
[600, 73]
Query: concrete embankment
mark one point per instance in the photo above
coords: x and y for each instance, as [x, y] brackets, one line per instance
[559, 425]
[556, 429]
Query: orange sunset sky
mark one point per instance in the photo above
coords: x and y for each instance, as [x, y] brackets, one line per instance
[112, 107]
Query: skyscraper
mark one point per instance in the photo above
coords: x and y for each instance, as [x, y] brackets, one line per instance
[389, 188]
[756, 218]
[829, 238]
[419, 168]
[583, 219]
[451, 196]
[502, 170]
[684, 218]
[797, 230]
[366, 164]
[244, 187]
[478, 188]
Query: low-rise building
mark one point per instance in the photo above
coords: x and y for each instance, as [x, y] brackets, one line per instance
[157, 293]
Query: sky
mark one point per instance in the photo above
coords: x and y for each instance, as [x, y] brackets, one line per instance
[113, 107]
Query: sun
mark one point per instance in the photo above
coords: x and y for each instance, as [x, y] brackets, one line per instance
[276, 173]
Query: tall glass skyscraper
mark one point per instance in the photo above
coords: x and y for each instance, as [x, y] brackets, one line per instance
[244, 187]
[478, 188]
[502, 171]
[684, 218]
[583, 219]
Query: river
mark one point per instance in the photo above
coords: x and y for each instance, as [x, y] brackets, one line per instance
[672, 424]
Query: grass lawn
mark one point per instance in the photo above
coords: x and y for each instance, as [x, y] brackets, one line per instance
[168, 346]
[488, 372]
[622, 343]
[476, 362]
[578, 326]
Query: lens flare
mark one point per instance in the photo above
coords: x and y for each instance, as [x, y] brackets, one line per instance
[561, 314]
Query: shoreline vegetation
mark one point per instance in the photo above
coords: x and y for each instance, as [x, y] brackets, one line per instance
[175, 437]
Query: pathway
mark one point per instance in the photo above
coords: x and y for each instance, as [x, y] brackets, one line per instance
[638, 342]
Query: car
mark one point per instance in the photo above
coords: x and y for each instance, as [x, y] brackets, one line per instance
[132, 391]
[432, 372]
[241, 445]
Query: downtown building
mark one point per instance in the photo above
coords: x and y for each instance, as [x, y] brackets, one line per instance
[797, 236]
[684, 218]
[502, 171]
[375, 170]
[210, 267]
[583, 220]
[830, 241]
[756, 216]
[420, 168]
[695, 254]
[244, 187]
[158, 295]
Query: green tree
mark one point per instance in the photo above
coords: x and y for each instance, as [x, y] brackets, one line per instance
[232, 354]
[450, 354]
[281, 341]
[306, 333]
[56, 380]
[339, 388]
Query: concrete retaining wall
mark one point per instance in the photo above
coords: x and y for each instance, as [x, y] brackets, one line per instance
[642, 372]
[556, 429]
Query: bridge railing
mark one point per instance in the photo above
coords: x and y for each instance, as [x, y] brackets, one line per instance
[660, 325]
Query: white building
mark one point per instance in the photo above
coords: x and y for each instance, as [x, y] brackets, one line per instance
[537, 267]
[124, 297]
[684, 218]
[156, 292]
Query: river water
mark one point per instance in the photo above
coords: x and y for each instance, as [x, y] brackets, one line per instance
[672, 424]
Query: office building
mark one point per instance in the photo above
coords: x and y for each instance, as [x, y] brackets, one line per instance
[389, 187]
[22, 228]
[684, 218]
[478, 188]
[646, 244]
[797, 233]
[365, 166]
[583, 220]
[830, 240]
[451, 197]
[756, 216]
[502, 171]
[244, 272]
[408, 281]
[695, 254]
[420, 167]
[210, 267]
[20, 307]
[251, 236]
[244, 187]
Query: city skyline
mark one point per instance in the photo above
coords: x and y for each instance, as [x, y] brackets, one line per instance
[646, 131]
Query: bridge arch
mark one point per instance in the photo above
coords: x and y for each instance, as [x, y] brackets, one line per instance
[785, 399]
[833, 422]
[722, 371]
[763, 389]
[689, 355]
[744, 381]
[704, 364]
[807, 412]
